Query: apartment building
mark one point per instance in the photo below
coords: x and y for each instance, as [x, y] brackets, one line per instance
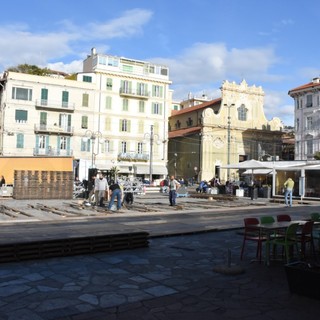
[307, 119]
[114, 115]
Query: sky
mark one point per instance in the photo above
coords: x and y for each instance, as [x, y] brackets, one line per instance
[272, 44]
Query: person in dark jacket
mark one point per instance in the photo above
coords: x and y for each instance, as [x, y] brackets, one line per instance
[114, 192]
[2, 181]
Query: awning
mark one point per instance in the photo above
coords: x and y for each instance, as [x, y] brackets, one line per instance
[145, 169]
[258, 171]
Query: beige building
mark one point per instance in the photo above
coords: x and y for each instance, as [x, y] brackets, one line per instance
[115, 114]
[204, 137]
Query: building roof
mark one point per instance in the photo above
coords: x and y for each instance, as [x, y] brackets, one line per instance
[198, 107]
[311, 85]
[184, 132]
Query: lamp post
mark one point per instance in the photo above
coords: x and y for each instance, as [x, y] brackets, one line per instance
[93, 135]
[151, 136]
[229, 137]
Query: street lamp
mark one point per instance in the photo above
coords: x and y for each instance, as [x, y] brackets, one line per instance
[152, 137]
[229, 137]
[93, 136]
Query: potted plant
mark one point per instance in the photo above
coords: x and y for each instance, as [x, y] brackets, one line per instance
[304, 278]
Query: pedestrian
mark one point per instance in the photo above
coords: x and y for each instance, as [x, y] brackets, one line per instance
[2, 181]
[114, 192]
[100, 187]
[173, 187]
[288, 189]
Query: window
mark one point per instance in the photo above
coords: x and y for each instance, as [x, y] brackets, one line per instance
[125, 105]
[108, 102]
[20, 141]
[298, 124]
[310, 147]
[21, 94]
[44, 97]
[107, 124]
[43, 118]
[125, 125]
[127, 68]
[156, 108]
[105, 146]
[21, 116]
[65, 98]
[85, 100]
[309, 100]
[85, 144]
[125, 86]
[157, 91]
[140, 147]
[141, 106]
[65, 121]
[42, 142]
[309, 123]
[142, 89]
[84, 122]
[242, 113]
[189, 122]
[109, 84]
[123, 147]
[113, 62]
[141, 127]
[63, 143]
[177, 124]
[87, 79]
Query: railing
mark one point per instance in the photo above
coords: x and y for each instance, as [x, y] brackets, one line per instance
[134, 93]
[49, 151]
[131, 156]
[53, 129]
[55, 105]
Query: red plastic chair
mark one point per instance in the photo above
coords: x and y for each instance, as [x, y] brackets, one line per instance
[252, 233]
[283, 217]
[306, 237]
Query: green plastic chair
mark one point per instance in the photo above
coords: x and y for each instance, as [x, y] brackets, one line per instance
[267, 219]
[315, 216]
[289, 241]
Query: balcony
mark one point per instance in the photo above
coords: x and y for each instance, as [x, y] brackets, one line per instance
[55, 129]
[139, 94]
[132, 156]
[52, 105]
[52, 152]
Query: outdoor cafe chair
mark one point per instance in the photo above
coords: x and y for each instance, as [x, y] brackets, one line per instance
[283, 217]
[289, 241]
[252, 233]
[306, 237]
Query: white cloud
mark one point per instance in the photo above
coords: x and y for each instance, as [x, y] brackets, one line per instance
[18, 45]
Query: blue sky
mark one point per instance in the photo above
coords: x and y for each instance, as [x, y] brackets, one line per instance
[273, 44]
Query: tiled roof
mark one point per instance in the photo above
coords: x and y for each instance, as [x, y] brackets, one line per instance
[306, 86]
[195, 108]
[183, 132]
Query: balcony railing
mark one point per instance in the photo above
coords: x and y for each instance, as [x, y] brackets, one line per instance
[131, 156]
[49, 151]
[134, 93]
[55, 105]
[55, 129]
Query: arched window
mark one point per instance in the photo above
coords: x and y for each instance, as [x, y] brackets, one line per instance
[242, 113]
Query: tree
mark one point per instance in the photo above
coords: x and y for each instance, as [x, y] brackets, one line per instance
[317, 155]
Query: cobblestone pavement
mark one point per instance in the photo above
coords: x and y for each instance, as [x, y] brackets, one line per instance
[176, 277]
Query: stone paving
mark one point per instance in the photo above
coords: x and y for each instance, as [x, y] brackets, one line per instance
[172, 279]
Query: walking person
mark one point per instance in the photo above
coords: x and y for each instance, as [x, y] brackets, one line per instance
[288, 189]
[2, 181]
[115, 192]
[173, 187]
[100, 187]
